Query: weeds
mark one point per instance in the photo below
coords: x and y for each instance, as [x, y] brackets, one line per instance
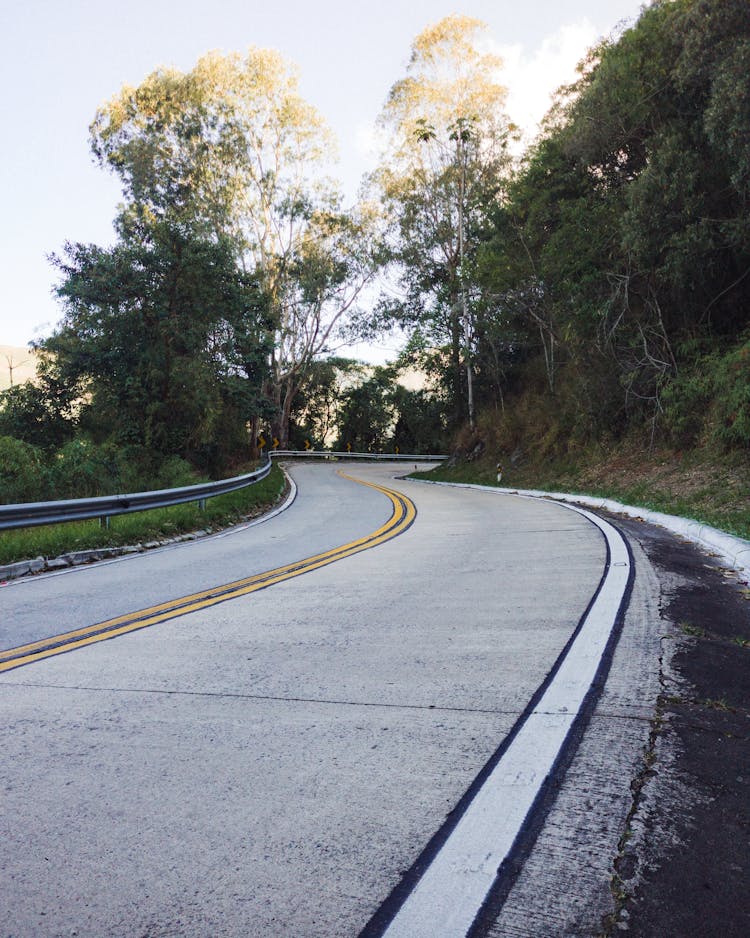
[693, 630]
[720, 704]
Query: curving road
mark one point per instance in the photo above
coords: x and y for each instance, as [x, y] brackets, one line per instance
[273, 760]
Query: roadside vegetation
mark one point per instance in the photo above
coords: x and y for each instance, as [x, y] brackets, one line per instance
[54, 540]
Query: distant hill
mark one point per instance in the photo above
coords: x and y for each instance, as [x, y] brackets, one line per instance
[16, 365]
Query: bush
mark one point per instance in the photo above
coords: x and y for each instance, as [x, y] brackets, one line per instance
[711, 400]
[687, 402]
[732, 397]
[81, 469]
[22, 476]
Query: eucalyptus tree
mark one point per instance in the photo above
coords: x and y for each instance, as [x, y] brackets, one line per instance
[233, 150]
[440, 176]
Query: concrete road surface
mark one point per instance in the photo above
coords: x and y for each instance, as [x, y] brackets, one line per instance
[276, 763]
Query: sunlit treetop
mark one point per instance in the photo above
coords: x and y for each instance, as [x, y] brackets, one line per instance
[450, 81]
[231, 135]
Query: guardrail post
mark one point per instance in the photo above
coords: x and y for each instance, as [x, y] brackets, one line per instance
[104, 522]
[202, 504]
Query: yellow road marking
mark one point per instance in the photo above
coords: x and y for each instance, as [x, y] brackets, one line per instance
[404, 513]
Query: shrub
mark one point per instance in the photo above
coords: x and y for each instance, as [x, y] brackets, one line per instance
[732, 397]
[81, 469]
[21, 472]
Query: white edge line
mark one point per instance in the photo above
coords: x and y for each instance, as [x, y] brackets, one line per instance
[235, 529]
[450, 893]
[287, 503]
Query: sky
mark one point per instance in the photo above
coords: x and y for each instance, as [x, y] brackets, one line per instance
[61, 59]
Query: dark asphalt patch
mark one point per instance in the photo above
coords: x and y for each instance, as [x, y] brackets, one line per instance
[687, 875]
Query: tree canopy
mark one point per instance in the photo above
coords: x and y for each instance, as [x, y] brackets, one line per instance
[595, 288]
[234, 151]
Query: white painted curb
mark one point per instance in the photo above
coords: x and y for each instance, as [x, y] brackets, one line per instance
[734, 551]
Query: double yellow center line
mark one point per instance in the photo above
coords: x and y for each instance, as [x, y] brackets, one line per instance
[404, 513]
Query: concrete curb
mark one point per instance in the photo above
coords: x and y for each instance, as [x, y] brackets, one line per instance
[733, 551]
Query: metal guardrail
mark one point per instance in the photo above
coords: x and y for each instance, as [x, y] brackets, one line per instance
[107, 506]
[330, 454]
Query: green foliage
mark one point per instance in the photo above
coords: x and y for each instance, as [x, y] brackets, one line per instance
[441, 176]
[600, 291]
[366, 414]
[619, 264]
[167, 338]
[231, 152]
[710, 401]
[732, 398]
[81, 469]
[378, 414]
[43, 412]
[687, 402]
[420, 422]
[21, 471]
[315, 411]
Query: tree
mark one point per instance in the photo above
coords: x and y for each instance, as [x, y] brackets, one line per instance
[366, 414]
[43, 412]
[232, 150]
[316, 408]
[419, 421]
[442, 173]
[620, 256]
[155, 338]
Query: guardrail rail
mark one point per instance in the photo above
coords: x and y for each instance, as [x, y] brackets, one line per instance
[104, 507]
[383, 457]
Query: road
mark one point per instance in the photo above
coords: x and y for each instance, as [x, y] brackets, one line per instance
[275, 760]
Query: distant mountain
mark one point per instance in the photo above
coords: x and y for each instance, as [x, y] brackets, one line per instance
[16, 365]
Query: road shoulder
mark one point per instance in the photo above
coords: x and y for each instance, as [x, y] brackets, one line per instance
[683, 861]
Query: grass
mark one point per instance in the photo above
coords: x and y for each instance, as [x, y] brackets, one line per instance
[697, 485]
[141, 527]
[694, 630]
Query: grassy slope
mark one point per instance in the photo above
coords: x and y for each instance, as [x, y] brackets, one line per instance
[55, 539]
[698, 485]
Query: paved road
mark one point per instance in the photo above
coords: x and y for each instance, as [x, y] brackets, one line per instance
[271, 765]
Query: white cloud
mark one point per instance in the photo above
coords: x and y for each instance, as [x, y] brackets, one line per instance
[369, 139]
[533, 75]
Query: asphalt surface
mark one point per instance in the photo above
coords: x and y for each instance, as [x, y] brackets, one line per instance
[275, 764]
[683, 868]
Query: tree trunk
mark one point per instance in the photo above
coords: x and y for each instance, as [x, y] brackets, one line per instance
[456, 368]
[283, 396]
[254, 428]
